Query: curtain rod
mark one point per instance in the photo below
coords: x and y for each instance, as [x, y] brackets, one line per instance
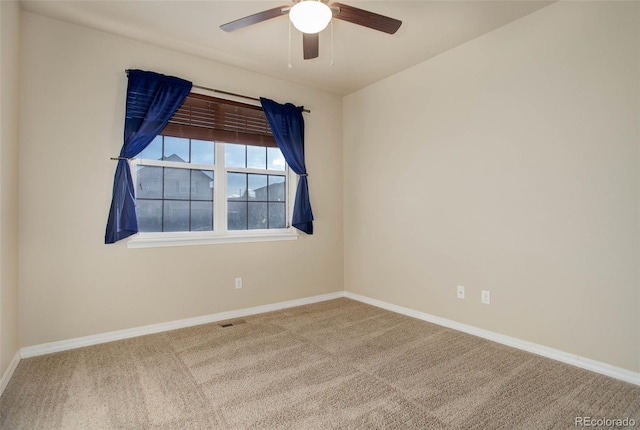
[225, 92]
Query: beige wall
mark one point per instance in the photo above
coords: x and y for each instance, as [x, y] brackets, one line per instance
[71, 284]
[9, 96]
[510, 164]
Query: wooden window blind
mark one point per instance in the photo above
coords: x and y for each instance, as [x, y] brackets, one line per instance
[210, 118]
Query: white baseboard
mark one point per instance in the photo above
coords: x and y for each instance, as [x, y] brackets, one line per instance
[79, 342]
[565, 357]
[9, 372]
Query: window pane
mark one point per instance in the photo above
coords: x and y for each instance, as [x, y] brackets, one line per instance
[201, 185]
[277, 215]
[202, 152]
[176, 149]
[176, 215]
[275, 159]
[148, 182]
[276, 188]
[256, 157]
[257, 216]
[257, 187]
[176, 184]
[236, 215]
[201, 216]
[149, 214]
[153, 151]
[236, 186]
[234, 155]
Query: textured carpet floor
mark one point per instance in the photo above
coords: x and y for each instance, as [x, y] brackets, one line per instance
[337, 364]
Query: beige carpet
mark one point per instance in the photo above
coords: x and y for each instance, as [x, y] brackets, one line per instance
[336, 364]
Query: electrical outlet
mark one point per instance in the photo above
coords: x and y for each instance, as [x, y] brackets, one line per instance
[485, 297]
[460, 292]
[238, 283]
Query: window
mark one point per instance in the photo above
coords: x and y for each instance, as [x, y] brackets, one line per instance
[214, 174]
[174, 180]
[256, 187]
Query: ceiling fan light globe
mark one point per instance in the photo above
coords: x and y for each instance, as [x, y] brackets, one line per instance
[310, 16]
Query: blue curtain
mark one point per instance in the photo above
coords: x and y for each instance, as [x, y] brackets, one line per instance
[152, 99]
[287, 125]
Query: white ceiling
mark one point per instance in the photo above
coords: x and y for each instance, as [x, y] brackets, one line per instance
[361, 55]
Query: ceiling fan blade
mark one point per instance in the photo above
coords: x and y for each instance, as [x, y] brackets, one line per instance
[366, 18]
[255, 18]
[310, 45]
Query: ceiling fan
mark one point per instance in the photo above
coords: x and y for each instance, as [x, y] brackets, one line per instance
[313, 16]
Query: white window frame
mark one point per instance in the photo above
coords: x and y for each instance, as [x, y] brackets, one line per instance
[220, 233]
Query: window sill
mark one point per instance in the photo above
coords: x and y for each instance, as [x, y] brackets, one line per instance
[159, 240]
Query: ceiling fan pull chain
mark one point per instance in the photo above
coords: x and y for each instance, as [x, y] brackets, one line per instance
[289, 65]
[331, 64]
